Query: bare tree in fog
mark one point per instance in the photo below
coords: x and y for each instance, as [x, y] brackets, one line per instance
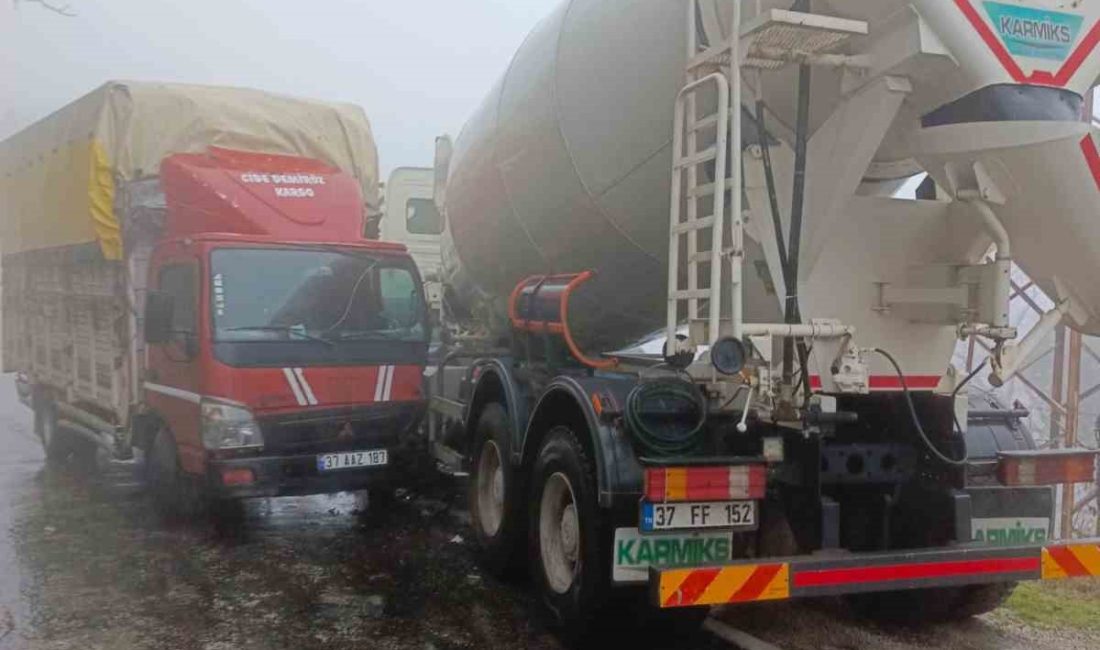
[62, 9]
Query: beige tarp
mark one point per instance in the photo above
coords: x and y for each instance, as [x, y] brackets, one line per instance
[58, 177]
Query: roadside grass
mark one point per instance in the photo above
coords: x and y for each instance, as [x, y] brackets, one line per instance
[1063, 604]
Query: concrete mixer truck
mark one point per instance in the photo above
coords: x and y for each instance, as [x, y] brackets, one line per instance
[709, 172]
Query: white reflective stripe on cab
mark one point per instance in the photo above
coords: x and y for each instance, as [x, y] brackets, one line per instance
[178, 393]
[297, 390]
[306, 388]
[383, 384]
[389, 384]
[379, 382]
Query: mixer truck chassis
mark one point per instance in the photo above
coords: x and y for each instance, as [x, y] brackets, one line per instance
[797, 426]
[560, 479]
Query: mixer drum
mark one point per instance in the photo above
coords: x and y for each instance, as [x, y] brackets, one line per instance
[566, 166]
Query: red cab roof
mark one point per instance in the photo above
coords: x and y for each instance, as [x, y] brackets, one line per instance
[270, 197]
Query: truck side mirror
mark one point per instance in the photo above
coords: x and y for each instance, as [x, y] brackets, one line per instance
[158, 317]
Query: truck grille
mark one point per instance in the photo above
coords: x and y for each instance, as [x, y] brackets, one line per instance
[339, 430]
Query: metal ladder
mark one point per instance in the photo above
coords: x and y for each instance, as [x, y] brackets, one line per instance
[685, 184]
[770, 40]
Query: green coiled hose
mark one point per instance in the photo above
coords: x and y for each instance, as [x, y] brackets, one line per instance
[657, 397]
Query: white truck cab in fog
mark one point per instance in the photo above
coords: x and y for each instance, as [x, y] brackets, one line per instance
[411, 218]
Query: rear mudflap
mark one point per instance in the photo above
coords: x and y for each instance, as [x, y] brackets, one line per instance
[1011, 516]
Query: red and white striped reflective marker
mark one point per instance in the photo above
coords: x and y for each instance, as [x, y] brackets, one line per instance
[724, 585]
[810, 576]
[705, 483]
[1071, 561]
[1046, 467]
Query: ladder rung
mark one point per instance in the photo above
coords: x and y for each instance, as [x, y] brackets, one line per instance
[709, 153]
[702, 256]
[705, 189]
[688, 294]
[698, 224]
[704, 123]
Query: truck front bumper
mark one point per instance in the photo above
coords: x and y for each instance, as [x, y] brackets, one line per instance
[285, 476]
[852, 573]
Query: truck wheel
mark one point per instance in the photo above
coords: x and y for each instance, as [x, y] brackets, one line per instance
[172, 493]
[55, 441]
[567, 540]
[495, 509]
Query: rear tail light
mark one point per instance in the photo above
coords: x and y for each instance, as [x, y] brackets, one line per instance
[237, 476]
[705, 483]
[1047, 467]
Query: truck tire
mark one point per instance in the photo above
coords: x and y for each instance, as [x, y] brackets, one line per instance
[568, 541]
[173, 495]
[496, 507]
[56, 442]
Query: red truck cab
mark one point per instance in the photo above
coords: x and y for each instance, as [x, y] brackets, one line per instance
[284, 352]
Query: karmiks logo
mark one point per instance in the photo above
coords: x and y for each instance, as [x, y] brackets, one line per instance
[1035, 33]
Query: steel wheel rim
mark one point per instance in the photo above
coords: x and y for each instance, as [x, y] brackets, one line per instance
[559, 533]
[490, 489]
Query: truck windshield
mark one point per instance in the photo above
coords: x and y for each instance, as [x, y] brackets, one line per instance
[314, 295]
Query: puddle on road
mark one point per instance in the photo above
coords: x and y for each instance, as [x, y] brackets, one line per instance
[106, 571]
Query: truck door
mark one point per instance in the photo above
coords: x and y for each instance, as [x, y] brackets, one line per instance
[172, 379]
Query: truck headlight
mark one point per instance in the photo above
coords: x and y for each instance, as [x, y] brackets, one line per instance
[228, 426]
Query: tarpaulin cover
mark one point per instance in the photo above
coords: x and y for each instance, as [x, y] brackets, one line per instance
[58, 177]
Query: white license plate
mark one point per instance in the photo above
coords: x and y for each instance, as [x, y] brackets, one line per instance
[351, 459]
[702, 514]
[634, 552]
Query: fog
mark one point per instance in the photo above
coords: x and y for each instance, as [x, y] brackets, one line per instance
[418, 67]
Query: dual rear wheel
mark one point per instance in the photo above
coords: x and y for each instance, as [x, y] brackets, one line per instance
[552, 509]
[568, 539]
[59, 443]
[550, 520]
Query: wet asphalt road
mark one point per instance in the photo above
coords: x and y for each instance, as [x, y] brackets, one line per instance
[20, 460]
[85, 562]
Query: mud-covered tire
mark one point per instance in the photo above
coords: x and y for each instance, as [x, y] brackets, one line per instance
[569, 559]
[172, 493]
[84, 454]
[495, 495]
[56, 442]
[938, 605]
